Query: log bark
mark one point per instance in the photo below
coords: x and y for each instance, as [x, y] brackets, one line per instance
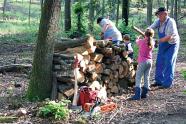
[15, 67]
[63, 44]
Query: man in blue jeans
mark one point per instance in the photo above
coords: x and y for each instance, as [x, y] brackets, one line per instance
[169, 41]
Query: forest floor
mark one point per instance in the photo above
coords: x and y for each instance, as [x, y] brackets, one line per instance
[163, 106]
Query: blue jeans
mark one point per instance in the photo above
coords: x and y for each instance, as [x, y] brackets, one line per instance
[144, 69]
[165, 64]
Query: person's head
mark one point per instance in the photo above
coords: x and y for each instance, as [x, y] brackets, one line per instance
[149, 33]
[99, 20]
[126, 37]
[161, 13]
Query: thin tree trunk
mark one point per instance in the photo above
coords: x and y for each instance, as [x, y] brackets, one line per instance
[4, 8]
[67, 15]
[149, 11]
[117, 15]
[176, 11]
[40, 85]
[167, 5]
[91, 15]
[172, 8]
[125, 11]
[29, 11]
[103, 7]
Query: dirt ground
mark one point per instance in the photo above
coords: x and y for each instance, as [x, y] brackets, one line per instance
[163, 106]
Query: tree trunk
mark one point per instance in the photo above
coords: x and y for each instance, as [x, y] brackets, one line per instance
[179, 6]
[91, 15]
[117, 14]
[4, 8]
[172, 8]
[149, 12]
[167, 5]
[40, 85]
[176, 11]
[29, 9]
[103, 8]
[125, 11]
[67, 15]
[41, 2]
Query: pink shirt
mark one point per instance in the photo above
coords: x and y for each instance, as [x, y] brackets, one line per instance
[144, 53]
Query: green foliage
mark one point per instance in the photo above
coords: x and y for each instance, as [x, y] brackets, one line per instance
[58, 110]
[184, 73]
[15, 27]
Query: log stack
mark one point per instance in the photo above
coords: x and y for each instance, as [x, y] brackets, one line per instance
[100, 63]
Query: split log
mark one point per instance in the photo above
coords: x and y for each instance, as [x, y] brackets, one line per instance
[99, 68]
[97, 57]
[66, 79]
[63, 44]
[15, 68]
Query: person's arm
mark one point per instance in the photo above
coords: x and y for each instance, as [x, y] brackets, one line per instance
[171, 32]
[154, 25]
[130, 49]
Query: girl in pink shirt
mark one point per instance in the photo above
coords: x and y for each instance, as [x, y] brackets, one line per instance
[146, 46]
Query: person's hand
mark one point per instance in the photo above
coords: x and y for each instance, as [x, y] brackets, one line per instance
[138, 37]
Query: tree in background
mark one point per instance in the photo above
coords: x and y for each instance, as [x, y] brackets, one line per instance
[41, 78]
[91, 15]
[67, 15]
[149, 11]
[125, 11]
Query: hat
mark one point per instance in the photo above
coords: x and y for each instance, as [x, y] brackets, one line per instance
[161, 9]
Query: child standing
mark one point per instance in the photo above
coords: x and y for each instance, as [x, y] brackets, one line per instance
[146, 46]
[128, 45]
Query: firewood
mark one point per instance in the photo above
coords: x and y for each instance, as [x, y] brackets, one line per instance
[120, 69]
[91, 67]
[116, 74]
[99, 68]
[65, 79]
[110, 85]
[83, 65]
[94, 76]
[89, 43]
[63, 73]
[91, 50]
[97, 57]
[86, 58]
[63, 56]
[102, 43]
[105, 79]
[15, 67]
[80, 76]
[107, 52]
[69, 93]
[95, 85]
[62, 45]
[106, 72]
[113, 67]
[114, 89]
[61, 96]
[125, 68]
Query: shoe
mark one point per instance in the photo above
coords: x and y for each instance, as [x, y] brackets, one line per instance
[155, 85]
[144, 92]
[137, 95]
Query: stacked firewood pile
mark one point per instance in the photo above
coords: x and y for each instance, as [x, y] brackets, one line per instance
[100, 63]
